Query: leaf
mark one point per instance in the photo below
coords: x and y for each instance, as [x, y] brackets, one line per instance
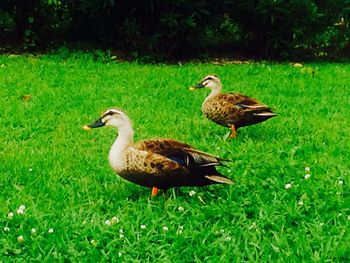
[28, 32]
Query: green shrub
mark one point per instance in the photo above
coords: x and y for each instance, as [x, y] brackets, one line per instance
[166, 29]
[287, 28]
[36, 23]
[162, 28]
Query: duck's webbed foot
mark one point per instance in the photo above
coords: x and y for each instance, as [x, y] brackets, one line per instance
[232, 134]
[154, 191]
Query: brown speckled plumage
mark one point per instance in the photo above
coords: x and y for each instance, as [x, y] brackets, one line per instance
[165, 163]
[160, 163]
[232, 110]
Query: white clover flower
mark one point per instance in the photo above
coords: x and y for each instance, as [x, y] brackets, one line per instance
[340, 182]
[222, 231]
[20, 239]
[301, 203]
[228, 238]
[307, 169]
[307, 176]
[93, 242]
[288, 186]
[6, 229]
[22, 207]
[50, 230]
[143, 226]
[165, 228]
[114, 220]
[33, 231]
[20, 211]
[108, 222]
[121, 236]
[120, 254]
[121, 231]
[192, 193]
[10, 215]
[180, 208]
[30, 169]
[179, 231]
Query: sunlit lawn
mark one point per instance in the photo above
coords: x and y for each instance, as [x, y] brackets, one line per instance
[60, 173]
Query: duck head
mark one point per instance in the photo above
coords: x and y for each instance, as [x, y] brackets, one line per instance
[211, 81]
[112, 117]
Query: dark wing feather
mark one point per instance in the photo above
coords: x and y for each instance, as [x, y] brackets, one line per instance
[160, 146]
[236, 98]
[175, 150]
[164, 167]
[239, 99]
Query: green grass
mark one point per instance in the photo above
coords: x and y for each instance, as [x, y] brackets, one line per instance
[61, 173]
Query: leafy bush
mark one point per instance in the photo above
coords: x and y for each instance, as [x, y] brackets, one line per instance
[160, 27]
[268, 28]
[281, 28]
[36, 23]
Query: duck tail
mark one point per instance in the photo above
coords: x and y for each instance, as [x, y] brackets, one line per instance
[266, 114]
[218, 178]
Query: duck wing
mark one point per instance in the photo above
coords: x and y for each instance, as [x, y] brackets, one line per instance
[195, 167]
[242, 110]
[180, 152]
[153, 170]
[242, 100]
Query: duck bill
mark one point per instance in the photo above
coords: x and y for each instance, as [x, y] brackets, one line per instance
[197, 86]
[98, 123]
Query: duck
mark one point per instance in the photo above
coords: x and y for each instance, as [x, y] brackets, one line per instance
[157, 163]
[232, 110]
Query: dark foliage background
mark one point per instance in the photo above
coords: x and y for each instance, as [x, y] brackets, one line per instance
[166, 29]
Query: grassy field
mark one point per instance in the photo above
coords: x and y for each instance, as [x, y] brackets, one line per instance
[81, 211]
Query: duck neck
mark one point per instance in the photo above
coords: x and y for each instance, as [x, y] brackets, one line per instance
[214, 92]
[123, 141]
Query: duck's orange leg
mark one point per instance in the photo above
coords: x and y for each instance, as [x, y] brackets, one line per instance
[154, 191]
[233, 133]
